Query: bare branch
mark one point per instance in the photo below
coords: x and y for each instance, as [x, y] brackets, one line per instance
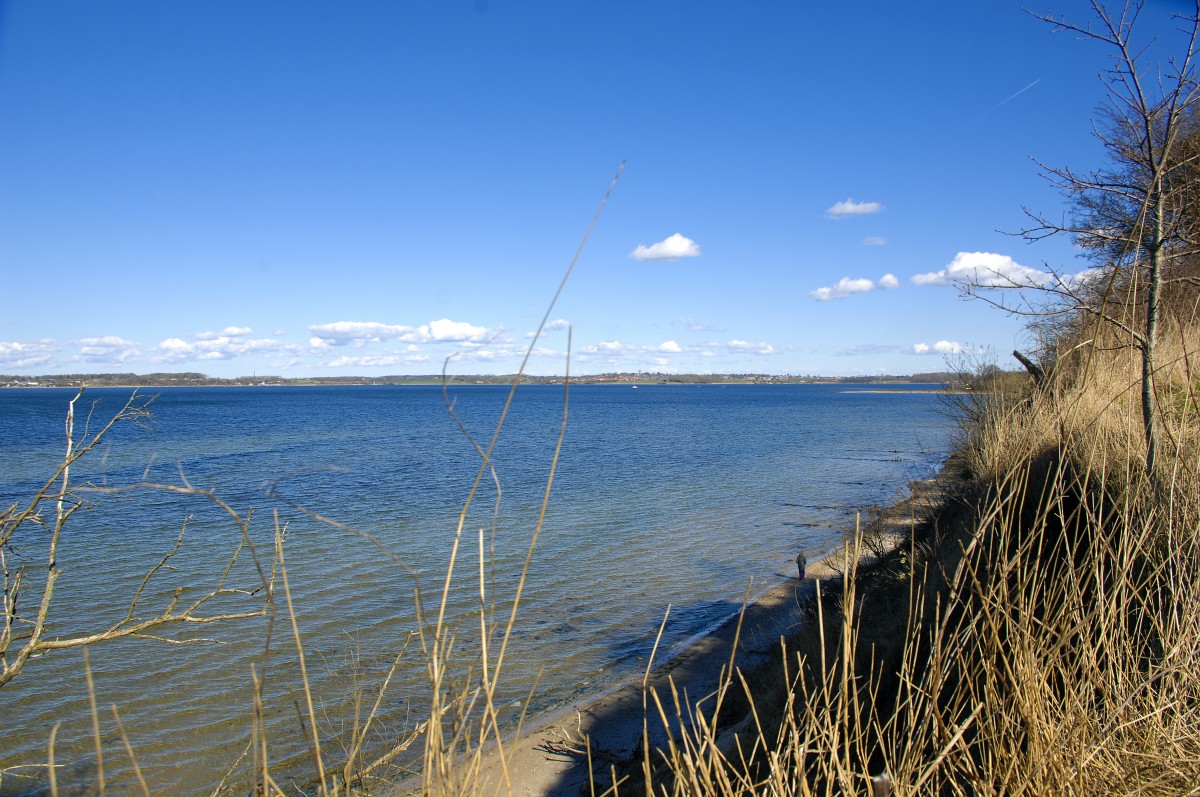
[22, 638]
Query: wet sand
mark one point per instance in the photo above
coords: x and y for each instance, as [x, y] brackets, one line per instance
[549, 757]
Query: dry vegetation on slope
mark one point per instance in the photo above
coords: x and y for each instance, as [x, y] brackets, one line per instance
[1037, 635]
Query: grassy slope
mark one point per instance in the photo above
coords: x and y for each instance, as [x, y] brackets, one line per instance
[1036, 635]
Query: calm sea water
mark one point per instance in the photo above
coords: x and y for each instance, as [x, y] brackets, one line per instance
[663, 495]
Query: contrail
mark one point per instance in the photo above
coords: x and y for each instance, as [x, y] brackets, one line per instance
[1009, 99]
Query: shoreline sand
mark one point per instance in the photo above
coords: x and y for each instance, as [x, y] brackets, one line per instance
[548, 758]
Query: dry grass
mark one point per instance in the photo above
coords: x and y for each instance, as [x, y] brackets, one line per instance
[1037, 636]
[463, 720]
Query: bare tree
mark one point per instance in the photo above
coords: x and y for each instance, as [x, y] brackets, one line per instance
[38, 525]
[1136, 216]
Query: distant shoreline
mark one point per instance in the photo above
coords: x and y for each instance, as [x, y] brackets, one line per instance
[165, 380]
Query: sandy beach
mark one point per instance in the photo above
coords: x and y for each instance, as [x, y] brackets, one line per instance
[549, 757]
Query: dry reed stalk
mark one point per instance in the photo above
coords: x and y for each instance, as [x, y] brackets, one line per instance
[452, 757]
[1048, 645]
[314, 738]
[137, 770]
[91, 687]
[51, 769]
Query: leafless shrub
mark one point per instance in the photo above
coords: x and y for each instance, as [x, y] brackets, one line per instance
[39, 525]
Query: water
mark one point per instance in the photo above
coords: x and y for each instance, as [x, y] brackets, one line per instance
[663, 495]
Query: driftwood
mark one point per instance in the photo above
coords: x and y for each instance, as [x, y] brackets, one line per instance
[1035, 370]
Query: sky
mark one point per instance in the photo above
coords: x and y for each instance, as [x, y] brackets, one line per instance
[332, 189]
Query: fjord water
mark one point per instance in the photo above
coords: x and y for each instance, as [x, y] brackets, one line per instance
[664, 495]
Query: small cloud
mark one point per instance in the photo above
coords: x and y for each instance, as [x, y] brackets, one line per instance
[844, 287]
[849, 208]
[1081, 279]
[867, 349]
[670, 346]
[206, 346]
[985, 270]
[374, 361]
[750, 348]
[360, 333]
[888, 282]
[14, 354]
[672, 247]
[612, 345]
[227, 332]
[692, 324]
[874, 240]
[357, 333]
[941, 347]
[107, 349]
[556, 325]
[457, 331]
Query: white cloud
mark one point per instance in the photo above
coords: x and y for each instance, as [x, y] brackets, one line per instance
[175, 345]
[842, 210]
[750, 348]
[375, 361]
[14, 354]
[360, 333]
[667, 347]
[447, 330]
[227, 332]
[106, 349]
[692, 324]
[557, 325]
[1082, 278]
[357, 333]
[844, 287]
[874, 240]
[986, 270]
[206, 346]
[672, 247]
[609, 345]
[941, 347]
[888, 282]
[867, 349]
[619, 355]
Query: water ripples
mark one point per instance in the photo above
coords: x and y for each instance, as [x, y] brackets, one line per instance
[664, 496]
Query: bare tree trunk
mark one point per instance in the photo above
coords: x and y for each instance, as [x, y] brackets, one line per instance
[1039, 376]
[1149, 405]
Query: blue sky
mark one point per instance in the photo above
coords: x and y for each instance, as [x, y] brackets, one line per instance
[318, 188]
